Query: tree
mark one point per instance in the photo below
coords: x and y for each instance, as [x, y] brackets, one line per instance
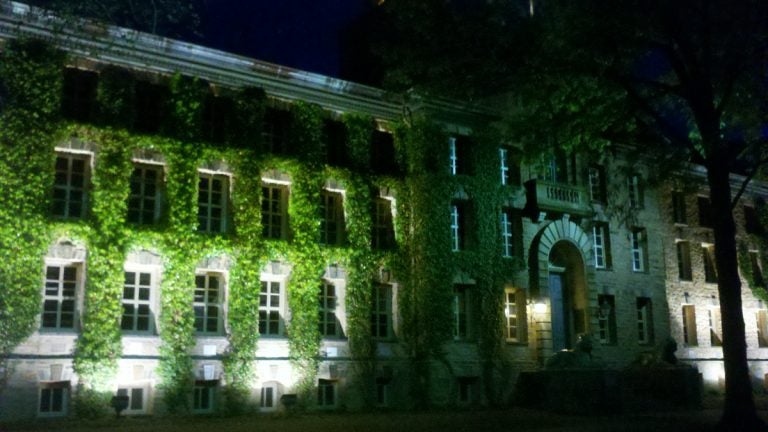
[684, 80]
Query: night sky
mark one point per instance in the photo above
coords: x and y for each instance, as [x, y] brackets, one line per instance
[302, 34]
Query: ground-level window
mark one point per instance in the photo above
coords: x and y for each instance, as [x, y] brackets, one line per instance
[466, 389]
[606, 319]
[136, 399]
[690, 336]
[268, 399]
[762, 328]
[644, 316]
[715, 328]
[53, 399]
[326, 393]
[203, 395]
[514, 314]
[382, 392]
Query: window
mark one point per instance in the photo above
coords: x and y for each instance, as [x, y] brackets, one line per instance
[60, 296]
[212, 202]
[757, 272]
[458, 155]
[382, 392]
[207, 303]
[136, 400]
[53, 398]
[639, 243]
[559, 168]
[514, 314]
[270, 310]
[335, 138]
[268, 399]
[381, 312]
[137, 302]
[326, 393]
[708, 257]
[70, 185]
[465, 390]
[601, 245]
[461, 312]
[216, 122]
[383, 154]
[504, 165]
[597, 191]
[151, 100]
[277, 124]
[606, 319]
[78, 94]
[644, 321]
[328, 322]
[383, 227]
[144, 198]
[332, 222]
[684, 271]
[715, 328]
[507, 234]
[203, 394]
[635, 190]
[679, 212]
[460, 223]
[690, 337]
[274, 211]
[762, 328]
[705, 212]
[752, 221]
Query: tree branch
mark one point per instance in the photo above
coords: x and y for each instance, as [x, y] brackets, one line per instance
[746, 181]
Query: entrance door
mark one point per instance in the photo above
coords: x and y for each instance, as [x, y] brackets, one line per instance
[561, 337]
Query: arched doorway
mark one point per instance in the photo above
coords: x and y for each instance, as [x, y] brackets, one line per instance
[568, 295]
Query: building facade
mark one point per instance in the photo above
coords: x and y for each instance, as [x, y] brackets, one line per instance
[217, 232]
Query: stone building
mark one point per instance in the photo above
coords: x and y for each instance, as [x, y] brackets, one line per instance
[506, 264]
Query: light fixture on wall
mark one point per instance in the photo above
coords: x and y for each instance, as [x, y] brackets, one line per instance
[538, 304]
[686, 297]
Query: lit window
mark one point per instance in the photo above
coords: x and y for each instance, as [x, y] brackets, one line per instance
[383, 228]
[461, 312]
[137, 302]
[606, 319]
[708, 256]
[639, 243]
[597, 190]
[60, 296]
[684, 271]
[715, 328]
[644, 320]
[270, 312]
[328, 322]
[326, 393]
[514, 314]
[208, 300]
[136, 400]
[274, 210]
[690, 334]
[203, 394]
[332, 222]
[601, 245]
[144, 198]
[212, 202]
[705, 212]
[70, 185]
[679, 211]
[762, 328]
[381, 312]
[636, 199]
[53, 399]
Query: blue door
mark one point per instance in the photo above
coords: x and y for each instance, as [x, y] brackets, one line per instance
[560, 322]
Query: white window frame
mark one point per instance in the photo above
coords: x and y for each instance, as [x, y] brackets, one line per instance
[128, 391]
[67, 188]
[453, 157]
[634, 192]
[150, 303]
[154, 201]
[600, 243]
[267, 388]
[52, 386]
[606, 323]
[205, 223]
[271, 230]
[207, 304]
[507, 234]
[268, 308]
[514, 315]
[639, 244]
[329, 299]
[504, 166]
[59, 296]
[381, 311]
[644, 315]
[455, 228]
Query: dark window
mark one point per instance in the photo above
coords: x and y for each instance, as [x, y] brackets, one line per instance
[217, 118]
[644, 314]
[70, 185]
[207, 303]
[212, 203]
[690, 337]
[326, 393]
[710, 271]
[383, 154]
[151, 100]
[606, 316]
[459, 156]
[332, 222]
[679, 212]
[705, 212]
[335, 138]
[597, 192]
[383, 236]
[752, 221]
[381, 312]
[684, 271]
[277, 123]
[461, 225]
[79, 94]
[144, 198]
[757, 272]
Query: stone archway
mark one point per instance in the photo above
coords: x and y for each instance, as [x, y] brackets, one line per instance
[561, 278]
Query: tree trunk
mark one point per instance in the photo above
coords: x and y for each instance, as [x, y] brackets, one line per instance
[739, 409]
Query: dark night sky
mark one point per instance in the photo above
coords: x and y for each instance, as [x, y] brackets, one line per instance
[304, 34]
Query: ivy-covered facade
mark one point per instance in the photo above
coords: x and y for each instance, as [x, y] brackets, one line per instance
[203, 233]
